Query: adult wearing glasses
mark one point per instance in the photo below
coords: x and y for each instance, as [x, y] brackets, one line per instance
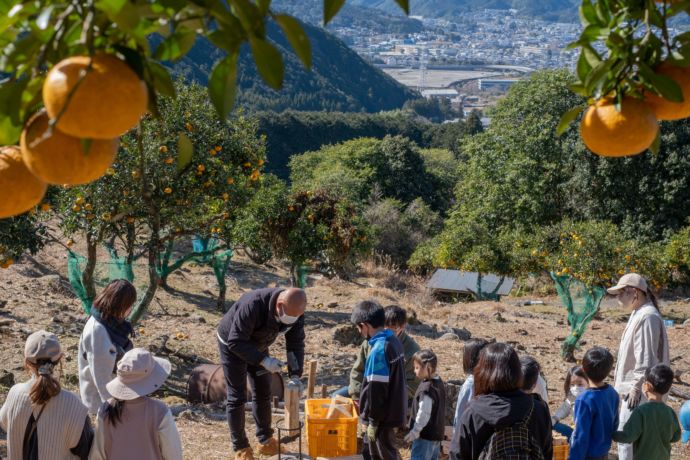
[644, 344]
[244, 335]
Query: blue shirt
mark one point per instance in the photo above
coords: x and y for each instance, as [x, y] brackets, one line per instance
[596, 419]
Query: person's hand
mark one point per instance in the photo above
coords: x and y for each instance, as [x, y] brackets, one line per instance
[411, 436]
[296, 383]
[272, 364]
[371, 433]
[633, 397]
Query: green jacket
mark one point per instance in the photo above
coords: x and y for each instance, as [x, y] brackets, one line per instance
[357, 372]
[651, 429]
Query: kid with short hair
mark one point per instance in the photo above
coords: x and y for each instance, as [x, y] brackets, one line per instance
[396, 321]
[532, 381]
[652, 443]
[596, 410]
[427, 424]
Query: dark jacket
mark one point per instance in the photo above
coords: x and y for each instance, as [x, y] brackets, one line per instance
[383, 400]
[487, 412]
[250, 326]
[435, 429]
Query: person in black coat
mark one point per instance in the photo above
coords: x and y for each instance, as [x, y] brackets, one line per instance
[245, 334]
[499, 403]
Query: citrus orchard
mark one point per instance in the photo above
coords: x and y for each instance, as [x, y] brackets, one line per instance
[26, 189]
[100, 102]
[612, 133]
[57, 158]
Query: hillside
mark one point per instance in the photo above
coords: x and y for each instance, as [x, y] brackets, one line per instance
[340, 80]
[549, 10]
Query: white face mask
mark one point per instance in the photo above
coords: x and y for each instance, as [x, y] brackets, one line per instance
[287, 319]
[577, 390]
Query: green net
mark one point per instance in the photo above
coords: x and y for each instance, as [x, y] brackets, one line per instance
[302, 272]
[220, 263]
[582, 303]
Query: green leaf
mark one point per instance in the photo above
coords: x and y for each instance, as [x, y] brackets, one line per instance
[162, 80]
[666, 86]
[86, 145]
[588, 14]
[583, 67]
[591, 55]
[595, 79]
[250, 17]
[405, 5]
[330, 9]
[296, 36]
[568, 118]
[185, 150]
[176, 45]
[222, 85]
[228, 39]
[269, 62]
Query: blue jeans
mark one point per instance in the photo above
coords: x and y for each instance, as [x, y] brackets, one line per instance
[425, 450]
[341, 392]
[563, 429]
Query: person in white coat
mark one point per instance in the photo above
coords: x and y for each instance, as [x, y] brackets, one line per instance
[104, 340]
[643, 345]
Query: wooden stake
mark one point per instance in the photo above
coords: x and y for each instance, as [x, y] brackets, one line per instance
[311, 379]
[324, 391]
[291, 408]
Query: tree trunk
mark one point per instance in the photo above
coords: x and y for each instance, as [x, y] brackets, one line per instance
[87, 277]
[220, 302]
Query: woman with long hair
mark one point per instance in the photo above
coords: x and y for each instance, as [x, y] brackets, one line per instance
[41, 419]
[502, 421]
[105, 339]
[644, 344]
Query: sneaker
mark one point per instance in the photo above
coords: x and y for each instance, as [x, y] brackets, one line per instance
[270, 448]
[244, 454]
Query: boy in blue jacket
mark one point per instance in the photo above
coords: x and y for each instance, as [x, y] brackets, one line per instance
[383, 397]
[596, 410]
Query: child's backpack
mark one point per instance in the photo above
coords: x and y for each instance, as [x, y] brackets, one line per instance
[514, 442]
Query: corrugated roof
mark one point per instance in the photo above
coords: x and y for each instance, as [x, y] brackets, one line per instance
[466, 282]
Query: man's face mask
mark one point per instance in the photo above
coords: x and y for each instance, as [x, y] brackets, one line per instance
[285, 318]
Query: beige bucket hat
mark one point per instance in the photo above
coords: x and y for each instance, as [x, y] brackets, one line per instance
[629, 280]
[139, 373]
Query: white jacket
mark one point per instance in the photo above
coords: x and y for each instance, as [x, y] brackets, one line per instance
[644, 344]
[97, 359]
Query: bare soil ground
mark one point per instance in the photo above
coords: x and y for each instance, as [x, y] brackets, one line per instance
[35, 294]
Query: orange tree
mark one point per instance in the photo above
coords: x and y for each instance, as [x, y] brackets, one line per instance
[633, 68]
[181, 175]
[18, 235]
[302, 226]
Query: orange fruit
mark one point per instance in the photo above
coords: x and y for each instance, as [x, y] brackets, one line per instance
[59, 159]
[163, 149]
[169, 161]
[167, 190]
[109, 101]
[21, 190]
[7, 263]
[608, 132]
[665, 109]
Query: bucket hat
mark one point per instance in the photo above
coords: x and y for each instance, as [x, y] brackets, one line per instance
[139, 373]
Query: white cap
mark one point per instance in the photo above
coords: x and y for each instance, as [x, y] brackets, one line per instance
[629, 280]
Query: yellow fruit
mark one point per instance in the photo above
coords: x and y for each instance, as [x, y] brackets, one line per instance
[188, 126]
[45, 207]
[57, 158]
[255, 175]
[109, 101]
[608, 132]
[665, 109]
[88, 206]
[130, 220]
[167, 190]
[218, 148]
[110, 172]
[70, 243]
[76, 208]
[169, 161]
[212, 152]
[230, 181]
[20, 189]
[226, 196]
[260, 162]
[106, 216]
[79, 200]
[7, 263]
[135, 174]
[201, 168]
[163, 149]
[247, 165]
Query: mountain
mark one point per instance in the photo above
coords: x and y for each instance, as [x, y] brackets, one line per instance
[549, 10]
[340, 80]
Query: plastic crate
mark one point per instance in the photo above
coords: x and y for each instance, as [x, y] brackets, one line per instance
[329, 437]
[560, 452]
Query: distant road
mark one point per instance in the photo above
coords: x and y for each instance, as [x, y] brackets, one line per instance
[444, 76]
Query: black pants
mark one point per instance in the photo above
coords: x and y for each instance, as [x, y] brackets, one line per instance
[384, 447]
[236, 371]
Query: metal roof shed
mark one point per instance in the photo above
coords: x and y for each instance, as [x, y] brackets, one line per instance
[457, 282]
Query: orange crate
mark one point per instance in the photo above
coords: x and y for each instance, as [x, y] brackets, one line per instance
[335, 437]
[560, 452]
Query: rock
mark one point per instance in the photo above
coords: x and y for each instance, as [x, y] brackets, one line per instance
[522, 332]
[3, 303]
[331, 304]
[460, 332]
[347, 334]
[449, 336]
[195, 319]
[56, 319]
[685, 323]
[6, 378]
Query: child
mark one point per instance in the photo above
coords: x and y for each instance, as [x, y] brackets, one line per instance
[427, 426]
[41, 419]
[575, 384]
[532, 381]
[596, 410]
[132, 425]
[470, 358]
[396, 321]
[383, 398]
[647, 442]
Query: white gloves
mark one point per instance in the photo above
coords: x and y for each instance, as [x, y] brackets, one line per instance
[633, 397]
[272, 364]
[411, 436]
